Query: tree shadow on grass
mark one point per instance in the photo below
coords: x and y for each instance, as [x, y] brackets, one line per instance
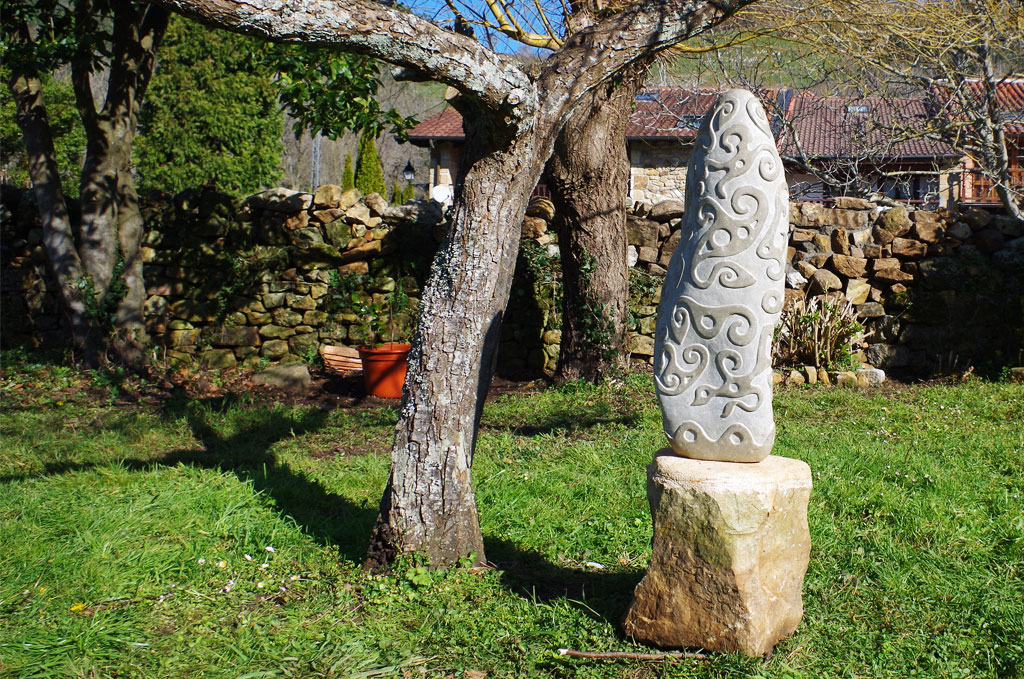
[565, 422]
[602, 595]
[328, 518]
[334, 520]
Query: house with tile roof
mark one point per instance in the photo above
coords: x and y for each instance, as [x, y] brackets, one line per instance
[975, 187]
[881, 143]
[659, 136]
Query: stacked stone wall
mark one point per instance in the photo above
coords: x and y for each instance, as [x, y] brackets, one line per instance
[269, 278]
[934, 290]
[232, 282]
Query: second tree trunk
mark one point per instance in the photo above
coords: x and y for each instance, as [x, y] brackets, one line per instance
[588, 175]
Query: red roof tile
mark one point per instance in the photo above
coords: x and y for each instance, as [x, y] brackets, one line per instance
[1009, 96]
[824, 125]
[445, 125]
[660, 113]
[668, 113]
[875, 128]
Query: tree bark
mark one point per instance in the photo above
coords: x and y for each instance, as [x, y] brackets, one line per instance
[58, 239]
[130, 337]
[588, 175]
[83, 256]
[429, 506]
[111, 225]
[144, 31]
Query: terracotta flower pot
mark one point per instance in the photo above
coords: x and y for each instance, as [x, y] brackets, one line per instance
[384, 369]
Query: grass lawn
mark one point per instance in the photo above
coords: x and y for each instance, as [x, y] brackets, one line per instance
[146, 533]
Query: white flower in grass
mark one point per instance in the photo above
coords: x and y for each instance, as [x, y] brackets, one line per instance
[200, 560]
[222, 563]
[248, 557]
[260, 584]
[270, 549]
[263, 566]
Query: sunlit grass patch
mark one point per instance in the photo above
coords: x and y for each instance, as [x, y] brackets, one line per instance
[190, 538]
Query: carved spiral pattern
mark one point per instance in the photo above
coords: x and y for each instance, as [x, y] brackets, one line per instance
[724, 289]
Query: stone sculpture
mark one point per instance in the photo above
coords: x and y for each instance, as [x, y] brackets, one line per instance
[724, 290]
[731, 542]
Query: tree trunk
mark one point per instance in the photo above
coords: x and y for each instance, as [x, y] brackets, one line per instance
[83, 256]
[130, 330]
[97, 228]
[588, 175]
[58, 239]
[111, 225]
[428, 506]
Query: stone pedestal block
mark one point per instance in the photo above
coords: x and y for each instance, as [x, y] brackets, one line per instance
[730, 550]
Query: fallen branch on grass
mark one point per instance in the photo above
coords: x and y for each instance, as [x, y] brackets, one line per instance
[625, 655]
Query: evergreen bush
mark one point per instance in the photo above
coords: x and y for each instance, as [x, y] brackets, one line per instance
[211, 114]
[369, 173]
[348, 178]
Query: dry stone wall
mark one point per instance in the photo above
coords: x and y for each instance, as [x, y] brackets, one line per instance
[232, 282]
[934, 290]
[270, 278]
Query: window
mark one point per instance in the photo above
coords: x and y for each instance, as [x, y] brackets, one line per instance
[858, 108]
[898, 188]
[689, 121]
[647, 96]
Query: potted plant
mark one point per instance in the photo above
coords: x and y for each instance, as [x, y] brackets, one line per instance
[386, 326]
[382, 323]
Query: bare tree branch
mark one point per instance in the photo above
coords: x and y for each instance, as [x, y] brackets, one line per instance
[385, 33]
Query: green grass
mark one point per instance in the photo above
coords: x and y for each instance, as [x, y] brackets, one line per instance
[126, 520]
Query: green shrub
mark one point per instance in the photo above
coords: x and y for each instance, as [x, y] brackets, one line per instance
[211, 114]
[369, 174]
[348, 178]
[818, 331]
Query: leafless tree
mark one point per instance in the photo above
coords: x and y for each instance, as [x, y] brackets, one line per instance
[960, 54]
[850, 132]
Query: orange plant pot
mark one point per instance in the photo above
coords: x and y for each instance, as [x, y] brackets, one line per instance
[384, 369]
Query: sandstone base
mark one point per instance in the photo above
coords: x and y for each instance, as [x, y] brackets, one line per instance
[730, 550]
